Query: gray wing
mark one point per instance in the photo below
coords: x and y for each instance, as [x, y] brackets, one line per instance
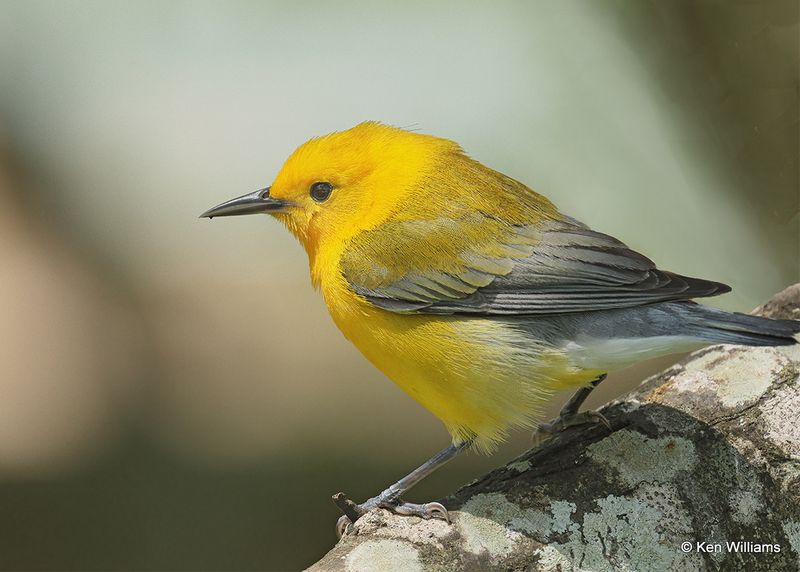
[570, 268]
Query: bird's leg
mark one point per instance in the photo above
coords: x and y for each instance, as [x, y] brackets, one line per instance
[569, 416]
[390, 498]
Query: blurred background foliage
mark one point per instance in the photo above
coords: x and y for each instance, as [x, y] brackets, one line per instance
[174, 395]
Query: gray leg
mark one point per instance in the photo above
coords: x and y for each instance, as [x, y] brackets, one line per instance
[571, 407]
[569, 416]
[390, 498]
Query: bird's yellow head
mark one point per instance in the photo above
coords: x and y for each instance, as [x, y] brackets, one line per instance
[335, 186]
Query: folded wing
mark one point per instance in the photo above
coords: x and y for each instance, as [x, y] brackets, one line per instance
[479, 265]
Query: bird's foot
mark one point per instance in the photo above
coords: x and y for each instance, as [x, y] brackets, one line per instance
[565, 421]
[353, 511]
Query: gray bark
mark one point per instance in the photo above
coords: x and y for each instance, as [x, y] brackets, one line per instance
[708, 451]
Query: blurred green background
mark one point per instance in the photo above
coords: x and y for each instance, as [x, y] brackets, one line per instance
[173, 394]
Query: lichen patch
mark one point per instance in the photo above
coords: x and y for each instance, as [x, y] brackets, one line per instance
[388, 555]
[549, 559]
[638, 458]
[747, 503]
[738, 378]
[780, 414]
[792, 530]
[520, 466]
[491, 505]
[562, 515]
[484, 535]
[539, 524]
[621, 535]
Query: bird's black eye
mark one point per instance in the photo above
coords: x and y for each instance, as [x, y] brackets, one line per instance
[320, 191]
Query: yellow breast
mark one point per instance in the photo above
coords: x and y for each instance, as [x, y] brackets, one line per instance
[476, 375]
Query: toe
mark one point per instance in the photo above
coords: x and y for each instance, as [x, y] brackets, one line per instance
[597, 417]
[431, 510]
[553, 426]
[559, 424]
[341, 526]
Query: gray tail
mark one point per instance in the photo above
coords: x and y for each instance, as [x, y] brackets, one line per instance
[734, 328]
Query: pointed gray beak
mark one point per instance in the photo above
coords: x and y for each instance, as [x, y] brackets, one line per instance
[252, 203]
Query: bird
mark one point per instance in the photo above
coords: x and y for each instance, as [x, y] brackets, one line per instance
[474, 293]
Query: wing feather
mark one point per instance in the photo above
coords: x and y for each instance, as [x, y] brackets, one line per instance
[484, 266]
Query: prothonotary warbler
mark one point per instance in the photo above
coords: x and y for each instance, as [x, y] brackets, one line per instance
[473, 293]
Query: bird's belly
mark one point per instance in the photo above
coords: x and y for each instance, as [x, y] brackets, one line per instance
[479, 376]
[616, 353]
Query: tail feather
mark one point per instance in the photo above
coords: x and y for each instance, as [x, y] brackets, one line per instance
[735, 328]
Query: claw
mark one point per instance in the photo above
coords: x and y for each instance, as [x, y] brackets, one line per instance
[437, 510]
[597, 417]
[341, 526]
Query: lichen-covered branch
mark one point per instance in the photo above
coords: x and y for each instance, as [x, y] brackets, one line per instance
[700, 457]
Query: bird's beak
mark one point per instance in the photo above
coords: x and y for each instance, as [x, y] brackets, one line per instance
[252, 203]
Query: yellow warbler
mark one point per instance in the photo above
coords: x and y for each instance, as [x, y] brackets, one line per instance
[474, 293]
